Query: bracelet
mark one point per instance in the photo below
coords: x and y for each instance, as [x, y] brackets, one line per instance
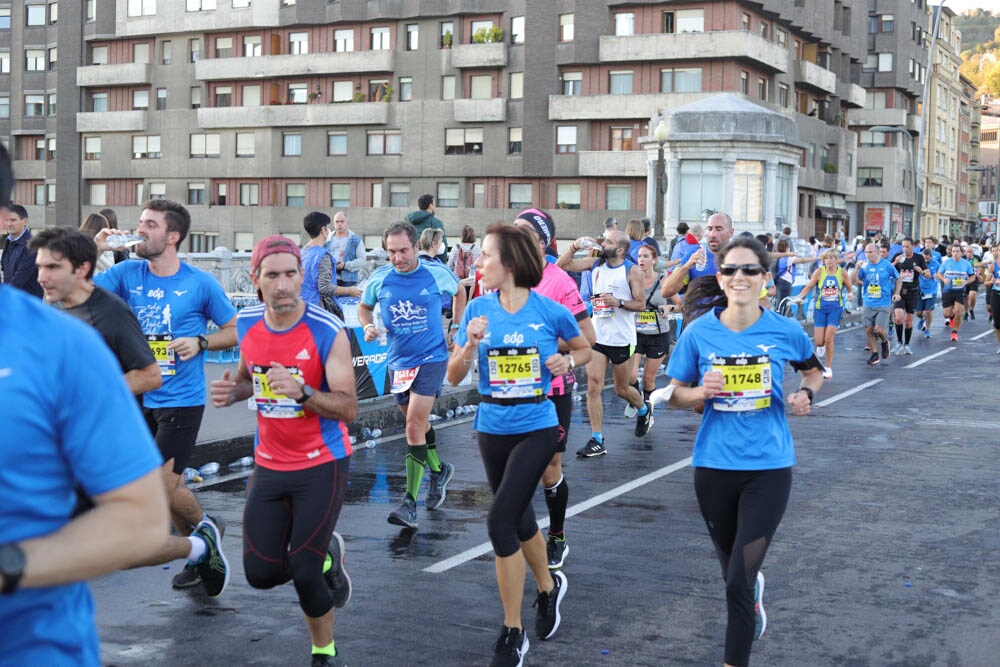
[368, 325]
[809, 393]
[468, 362]
[572, 361]
[454, 326]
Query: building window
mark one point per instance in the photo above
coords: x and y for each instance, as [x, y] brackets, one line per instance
[519, 195]
[343, 40]
[885, 62]
[34, 105]
[517, 30]
[196, 193]
[166, 49]
[39, 149]
[35, 15]
[4, 105]
[39, 198]
[568, 195]
[241, 4]
[377, 89]
[343, 91]
[252, 46]
[91, 148]
[291, 144]
[624, 24]
[691, 20]
[298, 43]
[516, 85]
[157, 190]
[98, 194]
[5, 61]
[566, 138]
[620, 83]
[203, 241]
[340, 195]
[140, 99]
[447, 195]
[447, 34]
[565, 27]
[680, 80]
[161, 99]
[762, 88]
[514, 141]
[572, 83]
[405, 88]
[298, 93]
[763, 29]
[204, 145]
[246, 144]
[869, 177]
[34, 60]
[5, 18]
[669, 22]
[381, 39]
[412, 36]
[196, 97]
[399, 195]
[448, 87]
[223, 47]
[200, 5]
[146, 147]
[745, 24]
[700, 187]
[249, 194]
[51, 142]
[463, 141]
[748, 191]
[480, 27]
[745, 83]
[619, 197]
[250, 96]
[91, 13]
[244, 242]
[140, 53]
[223, 96]
[336, 143]
[478, 195]
[621, 138]
[295, 195]
[99, 102]
[782, 37]
[194, 47]
[99, 55]
[481, 87]
[887, 23]
[385, 142]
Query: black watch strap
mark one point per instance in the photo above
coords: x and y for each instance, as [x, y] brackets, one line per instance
[203, 341]
[11, 567]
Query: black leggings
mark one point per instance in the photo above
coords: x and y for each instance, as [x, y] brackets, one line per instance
[742, 510]
[564, 412]
[514, 465]
[995, 307]
[288, 520]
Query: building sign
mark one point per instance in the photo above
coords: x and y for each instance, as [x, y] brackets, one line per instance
[874, 219]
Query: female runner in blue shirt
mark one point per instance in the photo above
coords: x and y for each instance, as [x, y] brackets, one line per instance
[514, 333]
[733, 359]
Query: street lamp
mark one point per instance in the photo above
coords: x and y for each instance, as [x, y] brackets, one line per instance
[660, 134]
[928, 75]
[916, 231]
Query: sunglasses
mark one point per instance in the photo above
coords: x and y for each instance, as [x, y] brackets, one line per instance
[747, 269]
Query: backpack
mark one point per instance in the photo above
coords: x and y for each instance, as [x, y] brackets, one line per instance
[463, 262]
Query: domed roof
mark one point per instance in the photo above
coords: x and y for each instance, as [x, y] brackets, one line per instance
[729, 117]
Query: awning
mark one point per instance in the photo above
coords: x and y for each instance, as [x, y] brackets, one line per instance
[831, 212]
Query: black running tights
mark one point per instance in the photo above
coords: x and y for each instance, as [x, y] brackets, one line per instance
[742, 510]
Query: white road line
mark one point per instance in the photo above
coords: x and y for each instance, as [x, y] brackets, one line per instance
[982, 335]
[849, 392]
[933, 356]
[486, 547]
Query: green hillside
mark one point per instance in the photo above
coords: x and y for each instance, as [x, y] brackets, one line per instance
[981, 49]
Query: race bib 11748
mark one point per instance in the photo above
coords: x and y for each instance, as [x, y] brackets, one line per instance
[747, 383]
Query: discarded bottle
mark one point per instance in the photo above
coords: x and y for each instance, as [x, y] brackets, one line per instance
[245, 462]
[366, 433]
[191, 475]
[354, 440]
[209, 469]
[433, 417]
[119, 241]
[370, 444]
[704, 248]
[450, 414]
[377, 433]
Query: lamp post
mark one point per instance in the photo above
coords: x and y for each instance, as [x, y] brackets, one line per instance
[928, 75]
[660, 134]
[918, 189]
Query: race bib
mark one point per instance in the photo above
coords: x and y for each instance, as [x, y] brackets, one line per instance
[165, 358]
[747, 383]
[401, 380]
[645, 322]
[515, 372]
[874, 291]
[603, 311]
[906, 275]
[270, 404]
[958, 280]
[830, 294]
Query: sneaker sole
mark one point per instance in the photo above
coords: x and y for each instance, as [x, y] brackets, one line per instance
[343, 571]
[191, 583]
[562, 561]
[590, 455]
[559, 597]
[225, 563]
[760, 608]
[397, 520]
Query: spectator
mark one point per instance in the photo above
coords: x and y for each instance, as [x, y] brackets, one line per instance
[18, 261]
[425, 218]
[682, 230]
[318, 285]
[92, 224]
[347, 249]
[112, 218]
[648, 238]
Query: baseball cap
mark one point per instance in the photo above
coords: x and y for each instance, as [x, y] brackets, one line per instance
[272, 245]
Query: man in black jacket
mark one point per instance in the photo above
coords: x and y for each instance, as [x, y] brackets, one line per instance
[18, 261]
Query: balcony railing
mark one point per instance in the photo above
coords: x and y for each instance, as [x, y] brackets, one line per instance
[311, 64]
[295, 115]
[738, 44]
[126, 74]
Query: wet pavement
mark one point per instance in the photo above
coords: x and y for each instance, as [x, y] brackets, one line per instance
[888, 553]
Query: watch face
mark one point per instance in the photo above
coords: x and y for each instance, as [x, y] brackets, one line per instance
[11, 559]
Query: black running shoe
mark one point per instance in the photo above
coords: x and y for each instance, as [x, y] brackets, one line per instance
[885, 348]
[556, 549]
[213, 568]
[510, 649]
[327, 661]
[643, 422]
[874, 359]
[337, 579]
[405, 515]
[187, 578]
[591, 449]
[437, 486]
[547, 617]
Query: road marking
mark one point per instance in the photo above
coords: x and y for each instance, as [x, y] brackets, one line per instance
[933, 356]
[486, 547]
[849, 392]
[982, 335]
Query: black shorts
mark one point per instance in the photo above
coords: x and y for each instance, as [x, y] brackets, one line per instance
[653, 346]
[951, 297]
[971, 286]
[617, 354]
[908, 301]
[175, 431]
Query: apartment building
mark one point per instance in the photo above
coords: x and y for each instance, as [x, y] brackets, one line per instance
[255, 112]
[989, 159]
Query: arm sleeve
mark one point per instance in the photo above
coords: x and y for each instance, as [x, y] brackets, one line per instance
[324, 279]
[360, 257]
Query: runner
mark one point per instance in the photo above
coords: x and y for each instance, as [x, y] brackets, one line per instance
[954, 273]
[992, 283]
[410, 294]
[651, 325]
[695, 262]
[878, 281]
[174, 303]
[514, 334]
[928, 292]
[972, 287]
[295, 361]
[618, 295]
[911, 267]
[733, 360]
[832, 281]
[561, 288]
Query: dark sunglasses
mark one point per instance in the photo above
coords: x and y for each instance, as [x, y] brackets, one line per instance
[747, 269]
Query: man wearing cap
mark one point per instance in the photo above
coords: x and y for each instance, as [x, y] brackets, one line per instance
[410, 294]
[174, 303]
[561, 288]
[295, 361]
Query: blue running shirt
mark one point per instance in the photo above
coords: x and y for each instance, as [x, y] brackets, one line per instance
[877, 283]
[956, 274]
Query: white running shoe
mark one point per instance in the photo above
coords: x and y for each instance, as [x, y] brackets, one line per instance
[827, 373]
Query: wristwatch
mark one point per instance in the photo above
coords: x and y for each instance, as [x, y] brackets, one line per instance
[307, 393]
[621, 303]
[11, 567]
[202, 342]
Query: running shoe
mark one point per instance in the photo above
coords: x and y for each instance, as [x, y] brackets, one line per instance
[927, 333]
[972, 314]
[954, 336]
[868, 348]
[827, 373]
[547, 617]
[337, 579]
[591, 449]
[405, 515]
[898, 349]
[965, 318]
[327, 661]
[920, 324]
[947, 323]
[213, 568]
[874, 359]
[437, 486]
[187, 578]
[631, 411]
[556, 549]
[758, 607]
[510, 649]
[885, 349]
[907, 351]
[644, 422]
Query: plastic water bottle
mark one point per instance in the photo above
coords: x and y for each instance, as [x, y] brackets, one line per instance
[377, 433]
[191, 475]
[370, 444]
[433, 417]
[354, 440]
[119, 241]
[209, 469]
[450, 414]
[245, 462]
[381, 337]
[366, 433]
[704, 248]
[585, 243]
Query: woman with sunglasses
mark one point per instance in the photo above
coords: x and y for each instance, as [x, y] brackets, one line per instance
[733, 360]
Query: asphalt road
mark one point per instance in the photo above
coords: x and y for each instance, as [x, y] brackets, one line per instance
[888, 554]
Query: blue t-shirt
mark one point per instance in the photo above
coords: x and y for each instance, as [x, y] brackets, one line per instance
[956, 274]
[170, 307]
[929, 286]
[512, 360]
[694, 272]
[745, 427]
[411, 306]
[877, 284]
[68, 419]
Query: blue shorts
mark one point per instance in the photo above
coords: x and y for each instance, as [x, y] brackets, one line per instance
[428, 382]
[827, 318]
[927, 302]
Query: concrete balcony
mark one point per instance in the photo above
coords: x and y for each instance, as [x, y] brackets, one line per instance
[295, 115]
[739, 44]
[870, 117]
[126, 74]
[267, 67]
[810, 75]
[851, 95]
[612, 163]
[481, 111]
[913, 123]
[601, 107]
[29, 170]
[111, 121]
[469, 56]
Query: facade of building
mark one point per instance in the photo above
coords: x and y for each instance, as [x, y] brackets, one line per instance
[989, 162]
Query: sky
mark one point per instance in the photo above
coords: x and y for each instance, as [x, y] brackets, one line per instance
[961, 6]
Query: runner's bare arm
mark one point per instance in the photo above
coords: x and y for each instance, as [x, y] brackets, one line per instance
[141, 380]
[341, 401]
[566, 262]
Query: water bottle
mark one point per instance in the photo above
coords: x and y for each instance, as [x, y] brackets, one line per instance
[209, 469]
[245, 462]
[377, 433]
[119, 241]
[354, 440]
[381, 338]
[704, 248]
[191, 475]
[433, 417]
[585, 243]
[366, 433]
[450, 414]
[370, 444]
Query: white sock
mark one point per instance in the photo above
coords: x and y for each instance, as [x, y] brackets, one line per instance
[198, 549]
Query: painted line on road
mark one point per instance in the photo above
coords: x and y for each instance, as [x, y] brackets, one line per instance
[486, 547]
[982, 335]
[933, 356]
[849, 392]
